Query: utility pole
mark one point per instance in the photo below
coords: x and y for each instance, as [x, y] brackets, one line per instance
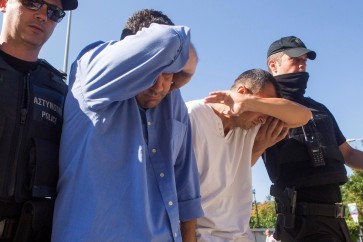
[66, 50]
[258, 219]
[351, 140]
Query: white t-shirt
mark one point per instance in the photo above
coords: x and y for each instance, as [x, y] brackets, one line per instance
[270, 238]
[224, 164]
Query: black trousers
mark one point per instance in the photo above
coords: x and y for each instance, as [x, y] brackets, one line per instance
[314, 229]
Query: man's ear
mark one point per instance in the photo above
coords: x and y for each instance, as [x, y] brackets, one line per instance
[272, 65]
[242, 90]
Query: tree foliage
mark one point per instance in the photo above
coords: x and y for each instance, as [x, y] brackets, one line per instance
[352, 192]
[266, 215]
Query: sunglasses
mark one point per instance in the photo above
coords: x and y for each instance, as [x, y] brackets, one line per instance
[53, 12]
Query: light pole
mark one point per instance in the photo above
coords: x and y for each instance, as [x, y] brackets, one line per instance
[66, 50]
[258, 219]
[351, 140]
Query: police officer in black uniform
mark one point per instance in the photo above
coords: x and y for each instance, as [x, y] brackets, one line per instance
[32, 94]
[307, 166]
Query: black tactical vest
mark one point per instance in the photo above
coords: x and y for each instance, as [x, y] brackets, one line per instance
[31, 113]
[290, 162]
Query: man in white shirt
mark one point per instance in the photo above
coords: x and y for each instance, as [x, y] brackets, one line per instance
[269, 237]
[223, 138]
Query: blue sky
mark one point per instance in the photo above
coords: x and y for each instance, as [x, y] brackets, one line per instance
[233, 36]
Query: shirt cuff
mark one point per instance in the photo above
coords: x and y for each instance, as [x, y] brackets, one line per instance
[190, 209]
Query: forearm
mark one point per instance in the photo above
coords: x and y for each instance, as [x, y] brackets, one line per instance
[356, 162]
[291, 113]
[188, 230]
[119, 70]
[255, 155]
[353, 157]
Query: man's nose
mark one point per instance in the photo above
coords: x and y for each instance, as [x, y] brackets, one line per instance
[42, 13]
[158, 86]
[302, 65]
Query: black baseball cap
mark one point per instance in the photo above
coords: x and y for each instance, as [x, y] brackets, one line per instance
[69, 4]
[292, 46]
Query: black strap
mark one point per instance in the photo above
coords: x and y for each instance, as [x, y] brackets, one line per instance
[336, 210]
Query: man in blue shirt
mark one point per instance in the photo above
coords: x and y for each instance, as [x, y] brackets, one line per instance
[127, 167]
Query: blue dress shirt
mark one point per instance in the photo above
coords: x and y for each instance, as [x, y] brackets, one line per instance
[115, 185]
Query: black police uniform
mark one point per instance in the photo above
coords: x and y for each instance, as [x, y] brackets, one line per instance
[32, 96]
[306, 169]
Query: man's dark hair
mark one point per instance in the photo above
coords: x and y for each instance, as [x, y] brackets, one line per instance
[143, 19]
[255, 80]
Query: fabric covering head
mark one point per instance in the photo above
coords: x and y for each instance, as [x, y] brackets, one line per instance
[69, 4]
[292, 46]
[143, 19]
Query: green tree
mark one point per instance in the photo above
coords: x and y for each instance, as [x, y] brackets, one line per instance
[352, 192]
[266, 215]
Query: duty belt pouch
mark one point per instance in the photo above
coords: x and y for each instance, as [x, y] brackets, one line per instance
[45, 169]
[285, 206]
[289, 221]
[35, 224]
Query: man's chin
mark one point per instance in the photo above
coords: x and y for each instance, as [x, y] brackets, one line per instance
[152, 104]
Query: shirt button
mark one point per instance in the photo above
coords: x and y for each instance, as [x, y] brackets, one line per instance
[162, 174]
[148, 123]
[175, 235]
[153, 150]
[170, 203]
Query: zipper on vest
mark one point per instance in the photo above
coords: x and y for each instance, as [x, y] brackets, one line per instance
[23, 118]
[24, 112]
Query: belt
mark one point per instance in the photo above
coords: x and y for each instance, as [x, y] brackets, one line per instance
[8, 228]
[336, 210]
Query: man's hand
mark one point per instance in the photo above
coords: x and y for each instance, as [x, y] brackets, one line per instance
[183, 77]
[234, 101]
[271, 132]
